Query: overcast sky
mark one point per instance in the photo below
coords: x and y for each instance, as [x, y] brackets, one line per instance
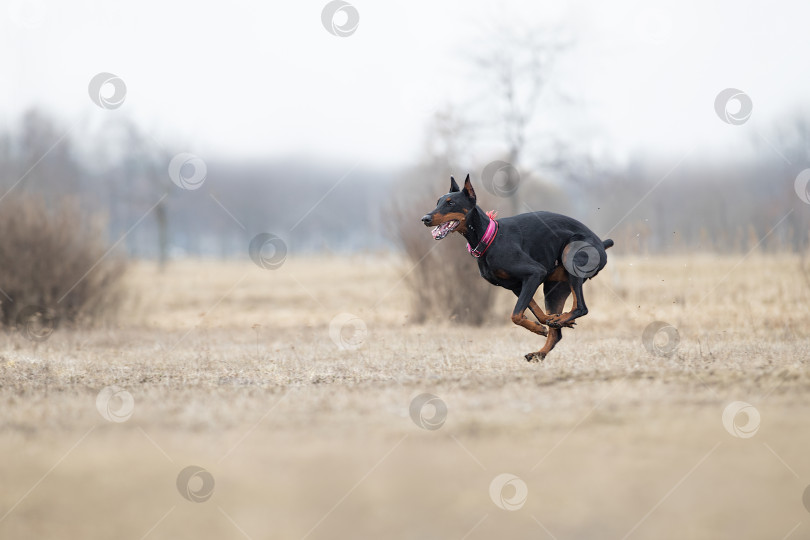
[266, 79]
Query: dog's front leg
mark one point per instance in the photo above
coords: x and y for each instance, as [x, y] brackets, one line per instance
[538, 312]
[526, 300]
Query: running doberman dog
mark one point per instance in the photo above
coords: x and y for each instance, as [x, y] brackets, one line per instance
[521, 253]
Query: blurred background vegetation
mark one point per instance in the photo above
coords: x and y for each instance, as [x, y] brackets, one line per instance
[102, 179]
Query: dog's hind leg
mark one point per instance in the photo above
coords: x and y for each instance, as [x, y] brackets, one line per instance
[578, 309]
[556, 294]
[581, 263]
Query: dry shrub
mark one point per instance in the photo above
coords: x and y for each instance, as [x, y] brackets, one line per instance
[444, 281]
[52, 256]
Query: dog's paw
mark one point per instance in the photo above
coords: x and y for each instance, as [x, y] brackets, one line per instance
[535, 357]
[555, 321]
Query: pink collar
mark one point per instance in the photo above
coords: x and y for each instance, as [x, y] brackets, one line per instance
[486, 240]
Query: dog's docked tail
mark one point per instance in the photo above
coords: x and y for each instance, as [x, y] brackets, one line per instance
[607, 243]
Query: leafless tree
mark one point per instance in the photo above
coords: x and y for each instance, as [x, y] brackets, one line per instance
[443, 279]
[516, 69]
[137, 176]
[788, 150]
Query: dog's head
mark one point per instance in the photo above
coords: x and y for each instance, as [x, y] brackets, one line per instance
[451, 210]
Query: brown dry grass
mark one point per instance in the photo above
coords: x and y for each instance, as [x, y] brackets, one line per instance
[232, 368]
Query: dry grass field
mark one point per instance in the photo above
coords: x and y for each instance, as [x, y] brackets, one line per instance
[306, 431]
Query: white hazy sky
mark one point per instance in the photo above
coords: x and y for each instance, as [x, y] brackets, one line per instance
[265, 79]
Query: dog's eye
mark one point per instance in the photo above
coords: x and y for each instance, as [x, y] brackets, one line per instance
[450, 203]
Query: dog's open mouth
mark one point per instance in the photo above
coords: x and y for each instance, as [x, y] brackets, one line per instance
[444, 229]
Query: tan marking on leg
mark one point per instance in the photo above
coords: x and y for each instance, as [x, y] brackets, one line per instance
[521, 320]
[554, 336]
[565, 317]
[538, 311]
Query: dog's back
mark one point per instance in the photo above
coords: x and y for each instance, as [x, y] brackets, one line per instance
[544, 235]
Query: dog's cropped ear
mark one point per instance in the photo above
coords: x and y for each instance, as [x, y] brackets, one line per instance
[468, 189]
[453, 186]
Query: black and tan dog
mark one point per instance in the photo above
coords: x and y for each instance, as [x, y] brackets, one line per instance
[521, 253]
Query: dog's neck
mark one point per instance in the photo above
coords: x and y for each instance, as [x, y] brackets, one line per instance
[476, 224]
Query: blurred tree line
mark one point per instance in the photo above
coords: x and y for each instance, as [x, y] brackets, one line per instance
[120, 172]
